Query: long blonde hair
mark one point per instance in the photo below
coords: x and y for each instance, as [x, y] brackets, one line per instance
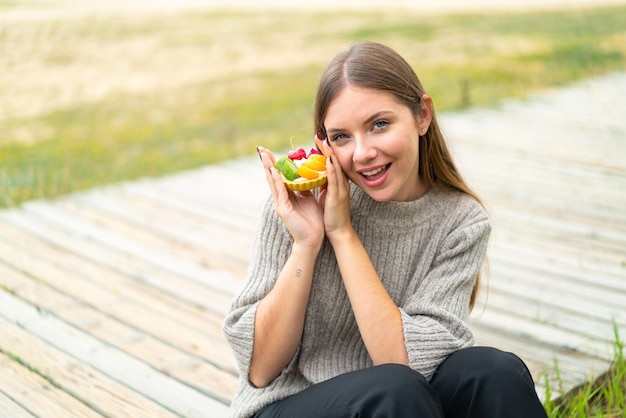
[376, 66]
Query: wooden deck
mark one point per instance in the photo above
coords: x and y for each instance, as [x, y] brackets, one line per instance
[111, 300]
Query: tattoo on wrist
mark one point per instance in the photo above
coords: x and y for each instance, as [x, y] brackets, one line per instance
[299, 273]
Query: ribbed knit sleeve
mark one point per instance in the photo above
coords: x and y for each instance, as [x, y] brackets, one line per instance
[270, 250]
[434, 316]
[264, 267]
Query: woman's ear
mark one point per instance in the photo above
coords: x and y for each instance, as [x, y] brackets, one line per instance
[425, 115]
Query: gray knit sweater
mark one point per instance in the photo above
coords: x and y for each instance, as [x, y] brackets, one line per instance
[427, 253]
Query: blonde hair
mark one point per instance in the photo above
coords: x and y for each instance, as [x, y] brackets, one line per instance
[376, 66]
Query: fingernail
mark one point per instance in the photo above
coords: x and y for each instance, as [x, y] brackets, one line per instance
[258, 151]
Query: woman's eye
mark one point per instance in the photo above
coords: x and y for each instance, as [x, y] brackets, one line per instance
[380, 124]
[339, 137]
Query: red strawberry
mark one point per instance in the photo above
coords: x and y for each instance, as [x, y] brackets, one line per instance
[296, 154]
[314, 151]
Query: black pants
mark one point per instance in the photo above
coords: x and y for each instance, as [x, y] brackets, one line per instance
[476, 382]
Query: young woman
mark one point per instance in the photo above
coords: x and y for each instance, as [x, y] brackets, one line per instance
[358, 295]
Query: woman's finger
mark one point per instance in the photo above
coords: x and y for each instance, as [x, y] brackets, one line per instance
[328, 152]
[334, 172]
[321, 196]
[267, 152]
[266, 160]
[282, 195]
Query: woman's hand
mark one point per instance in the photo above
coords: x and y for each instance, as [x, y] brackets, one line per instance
[335, 197]
[299, 211]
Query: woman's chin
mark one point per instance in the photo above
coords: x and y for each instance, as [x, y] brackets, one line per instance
[379, 195]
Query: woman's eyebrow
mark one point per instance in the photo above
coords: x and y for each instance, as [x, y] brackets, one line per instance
[375, 116]
[367, 121]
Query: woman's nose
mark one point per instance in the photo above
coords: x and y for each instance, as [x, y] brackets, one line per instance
[363, 150]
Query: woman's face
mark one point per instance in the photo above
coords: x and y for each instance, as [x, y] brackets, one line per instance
[376, 140]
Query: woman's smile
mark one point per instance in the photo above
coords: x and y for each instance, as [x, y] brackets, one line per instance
[376, 176]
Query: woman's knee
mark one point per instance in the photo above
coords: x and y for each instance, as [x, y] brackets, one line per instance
[397, 389]
[483, 381]
[490, 364]
[397, 379]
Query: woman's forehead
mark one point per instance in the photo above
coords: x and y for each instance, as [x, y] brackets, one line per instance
[359, 103]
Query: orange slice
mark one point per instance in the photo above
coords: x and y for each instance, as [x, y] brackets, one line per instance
[317, 157]
[315, 164]
[308, 173]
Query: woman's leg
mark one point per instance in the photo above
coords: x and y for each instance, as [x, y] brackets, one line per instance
[481, 382]
[388, 391]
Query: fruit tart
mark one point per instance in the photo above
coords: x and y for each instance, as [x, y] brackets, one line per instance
[302, 170]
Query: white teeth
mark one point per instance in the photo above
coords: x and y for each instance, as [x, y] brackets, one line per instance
[371, 173]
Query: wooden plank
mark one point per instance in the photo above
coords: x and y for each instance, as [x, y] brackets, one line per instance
[522, 187]
[541, 334]
[198, 240]
[545, 288]
[517, 134]
[86, 385]
[173, 395]
[191, 291]
[564, 223]
[562, 261]
[35, 394]
[181, 365]
[533, 189]
[502, 131]
[220, 210]
[227, 204]
[173, 334]
[217, 279]
[238, 185]
[606, 288]
[185, 331]
[47, 259]
[591, 202]
[584, 121]
[551, 254]
[556, 315]
[552, 164]
[10, 408]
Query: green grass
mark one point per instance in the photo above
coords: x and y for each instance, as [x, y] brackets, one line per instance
[463, 60]
[602, 397]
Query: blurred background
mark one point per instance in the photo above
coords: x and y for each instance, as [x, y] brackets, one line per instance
[95, 92]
